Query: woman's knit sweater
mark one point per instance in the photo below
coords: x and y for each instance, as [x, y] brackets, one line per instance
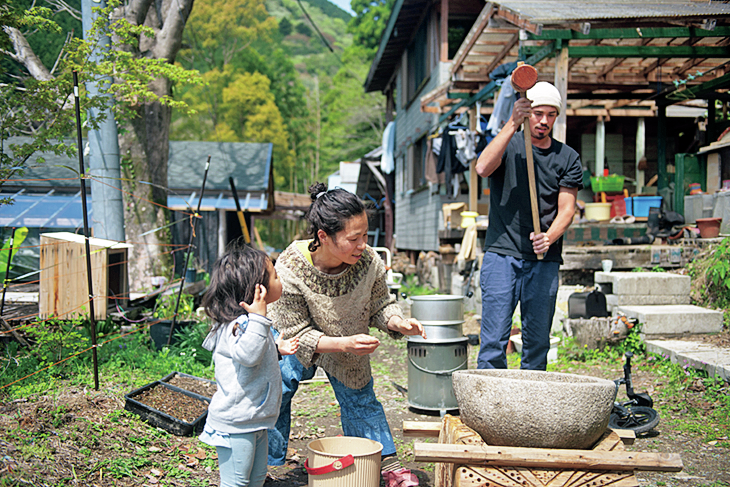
[314, 304]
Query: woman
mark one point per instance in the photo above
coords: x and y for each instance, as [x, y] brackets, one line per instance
[334, 290]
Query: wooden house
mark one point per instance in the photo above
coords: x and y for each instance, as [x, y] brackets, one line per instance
[637, 81]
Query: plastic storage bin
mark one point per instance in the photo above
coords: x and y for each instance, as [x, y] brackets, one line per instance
[612, 182]
[639, 205]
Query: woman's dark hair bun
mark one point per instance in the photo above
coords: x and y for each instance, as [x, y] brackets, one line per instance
[315, 189]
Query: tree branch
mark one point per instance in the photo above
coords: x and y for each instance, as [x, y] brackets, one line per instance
[169, 39]
[24, 54]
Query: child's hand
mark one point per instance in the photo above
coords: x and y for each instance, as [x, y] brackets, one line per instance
[259, 302]
[288, 347]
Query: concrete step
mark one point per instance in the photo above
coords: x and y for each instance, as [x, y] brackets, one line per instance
[643, 283]
[614, 300]
[703, 356]
[670, 319]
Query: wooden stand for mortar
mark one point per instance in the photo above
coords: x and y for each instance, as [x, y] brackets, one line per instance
[464, 460]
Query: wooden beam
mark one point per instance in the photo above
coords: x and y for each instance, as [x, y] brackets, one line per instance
[473, 176]
[519, 21]
[472, 36]
[421, 429]
[554, 459]
[630, 33]
[444, 28]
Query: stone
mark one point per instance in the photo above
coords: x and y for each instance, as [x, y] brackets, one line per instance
[643, 283]
[668, 320]
[534, 409]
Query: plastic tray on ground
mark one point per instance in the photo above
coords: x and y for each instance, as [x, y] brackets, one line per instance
[162, 420]
[205, 384]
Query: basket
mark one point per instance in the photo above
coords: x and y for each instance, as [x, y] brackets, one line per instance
[610, 183]
[343, 461]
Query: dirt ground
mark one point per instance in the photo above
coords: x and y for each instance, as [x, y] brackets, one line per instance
[73, 420]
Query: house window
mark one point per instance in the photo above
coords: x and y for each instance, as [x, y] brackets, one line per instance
[417, 164]
[417, 69]
[458, 29]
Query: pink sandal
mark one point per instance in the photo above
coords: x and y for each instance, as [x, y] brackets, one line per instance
[400, 478]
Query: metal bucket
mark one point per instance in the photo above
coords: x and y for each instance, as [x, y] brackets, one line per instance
[430, 365]
[440, 330]
[343, 460]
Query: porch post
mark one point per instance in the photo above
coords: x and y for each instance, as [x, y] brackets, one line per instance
[473, 176]
[444, 31]
[600, 146]
[640, 151]
[560, 129]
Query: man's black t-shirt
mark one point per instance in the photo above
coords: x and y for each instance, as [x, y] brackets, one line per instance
[510, 213]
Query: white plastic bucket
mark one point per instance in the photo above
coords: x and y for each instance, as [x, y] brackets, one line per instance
[343, 461]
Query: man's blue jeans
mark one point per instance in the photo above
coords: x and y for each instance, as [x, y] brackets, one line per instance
[361, 413]
[505, 281]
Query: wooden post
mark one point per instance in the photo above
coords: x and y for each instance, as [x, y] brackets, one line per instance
[473, 176]
[560, 129]
[640, 151]
[600, 146]
[444, 31]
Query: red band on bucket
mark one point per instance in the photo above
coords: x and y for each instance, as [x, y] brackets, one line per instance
[338, 464]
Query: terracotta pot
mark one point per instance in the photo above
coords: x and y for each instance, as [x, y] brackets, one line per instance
[709, 227]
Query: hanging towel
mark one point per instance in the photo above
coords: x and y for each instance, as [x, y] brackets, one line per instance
[387, 164]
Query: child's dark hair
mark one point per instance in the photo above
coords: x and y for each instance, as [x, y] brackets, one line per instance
[232, 280]
[330, 210]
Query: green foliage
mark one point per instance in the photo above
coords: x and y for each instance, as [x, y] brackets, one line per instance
[165, 307]
[303, 29]
[18, 240]
[411, 287]
[190, 343]
[371, 18]
[285, 26]
[710, 272]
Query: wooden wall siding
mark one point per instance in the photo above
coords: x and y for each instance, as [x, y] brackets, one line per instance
[416, 221]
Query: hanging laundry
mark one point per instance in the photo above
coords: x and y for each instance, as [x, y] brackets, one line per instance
[502, 107]
[387, 163]
[465, 146]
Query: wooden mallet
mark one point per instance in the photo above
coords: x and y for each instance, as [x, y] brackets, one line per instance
[524, 77]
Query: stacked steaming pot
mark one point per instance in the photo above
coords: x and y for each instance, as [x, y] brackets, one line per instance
[432, 361]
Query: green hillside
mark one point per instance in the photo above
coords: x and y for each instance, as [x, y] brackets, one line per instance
[302, 42]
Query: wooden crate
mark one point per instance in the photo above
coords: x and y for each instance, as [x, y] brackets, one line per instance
[64, 291]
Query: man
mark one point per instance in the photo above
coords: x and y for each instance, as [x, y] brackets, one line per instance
[511, 271]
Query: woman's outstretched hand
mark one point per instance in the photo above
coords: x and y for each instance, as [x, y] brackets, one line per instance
[411, 326]
[259, 301]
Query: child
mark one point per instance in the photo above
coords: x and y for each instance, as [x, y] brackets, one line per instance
[247, 373]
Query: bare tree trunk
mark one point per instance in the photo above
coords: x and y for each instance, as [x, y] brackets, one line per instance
[145, 152]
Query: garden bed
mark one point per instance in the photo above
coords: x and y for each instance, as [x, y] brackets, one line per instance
[175, 410]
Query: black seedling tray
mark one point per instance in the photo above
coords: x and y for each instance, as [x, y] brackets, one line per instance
[162, 420]
[169, 377]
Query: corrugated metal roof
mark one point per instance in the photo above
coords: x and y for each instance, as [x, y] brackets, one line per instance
[549, 11]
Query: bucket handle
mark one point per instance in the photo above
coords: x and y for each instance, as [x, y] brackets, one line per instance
[437, 372]
[338, 464]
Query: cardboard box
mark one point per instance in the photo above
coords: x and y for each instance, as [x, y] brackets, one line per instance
[452, 214]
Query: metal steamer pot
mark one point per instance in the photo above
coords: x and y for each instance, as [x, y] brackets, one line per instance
[432, 361]
[442, 315]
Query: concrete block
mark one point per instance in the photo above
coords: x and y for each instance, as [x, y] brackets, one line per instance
[674, 319]
[644, 283]
[698, 355]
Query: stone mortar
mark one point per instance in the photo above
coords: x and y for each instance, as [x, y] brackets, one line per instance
[535, 409]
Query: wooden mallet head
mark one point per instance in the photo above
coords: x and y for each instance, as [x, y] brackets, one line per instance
[524, 77]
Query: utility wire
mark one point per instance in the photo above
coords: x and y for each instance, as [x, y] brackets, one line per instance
[324, 40]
